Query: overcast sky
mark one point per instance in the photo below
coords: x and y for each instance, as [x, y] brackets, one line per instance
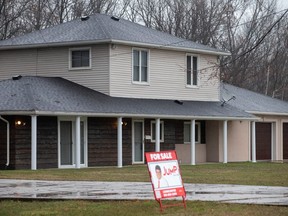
[282, 4]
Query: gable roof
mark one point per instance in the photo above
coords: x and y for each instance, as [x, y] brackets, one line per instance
[57, 96]
[100, 28]
[253, 102]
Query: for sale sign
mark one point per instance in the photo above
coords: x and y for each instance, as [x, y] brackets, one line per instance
[165, 174]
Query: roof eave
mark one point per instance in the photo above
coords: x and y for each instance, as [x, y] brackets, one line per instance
[168, 47]
[130, 43]
[43, 45]
[128, 115]
[267, 113]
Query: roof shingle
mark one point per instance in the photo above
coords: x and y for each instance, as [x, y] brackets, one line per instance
[56, 95]
[101, 28]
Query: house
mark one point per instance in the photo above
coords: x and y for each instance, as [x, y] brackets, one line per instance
[271, 130]
[101, 91]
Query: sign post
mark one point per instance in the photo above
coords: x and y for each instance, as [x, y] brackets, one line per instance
[165, 176]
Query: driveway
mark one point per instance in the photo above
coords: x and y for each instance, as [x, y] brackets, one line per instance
[94, 190]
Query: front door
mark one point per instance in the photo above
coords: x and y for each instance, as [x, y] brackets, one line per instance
[68, 145]
[138, 142]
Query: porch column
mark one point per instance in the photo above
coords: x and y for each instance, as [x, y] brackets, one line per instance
[225, 141]
[78, 142]
[33, 142]
[119, 141]
[192, 135]
[253, 128]
[157, 135]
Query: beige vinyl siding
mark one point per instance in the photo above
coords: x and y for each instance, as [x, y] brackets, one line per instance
[54, 62]
[22, 62]
[167, 76]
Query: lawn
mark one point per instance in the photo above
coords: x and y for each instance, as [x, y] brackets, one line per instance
[273, 174]
[267, 174]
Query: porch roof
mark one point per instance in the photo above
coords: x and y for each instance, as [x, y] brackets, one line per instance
[253, 102]
[57, 96]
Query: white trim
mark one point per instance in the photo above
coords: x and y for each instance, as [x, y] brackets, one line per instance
[162, 131]
[127, 115]
[85, 124]
[253, 148]
[198, 74]
[133, 140]
[34, 142]
[266, 113]
[123, 42]
[80, 49]
[78, 142]
[119, 142]
[148, 66]
[192, 142]
[225, 146]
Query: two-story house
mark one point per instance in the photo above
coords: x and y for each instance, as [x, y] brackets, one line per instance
[103, 91]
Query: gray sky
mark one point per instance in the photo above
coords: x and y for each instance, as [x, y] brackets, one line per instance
[282, 4]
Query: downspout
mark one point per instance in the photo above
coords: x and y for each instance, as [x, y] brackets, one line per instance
[8, 141]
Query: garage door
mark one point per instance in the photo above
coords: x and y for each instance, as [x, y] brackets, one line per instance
[285, 141]
[263, 141]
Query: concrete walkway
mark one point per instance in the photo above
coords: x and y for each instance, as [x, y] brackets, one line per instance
[93, 190]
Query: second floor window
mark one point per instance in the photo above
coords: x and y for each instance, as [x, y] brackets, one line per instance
[192, 71]
[80, 58]
[140, 66]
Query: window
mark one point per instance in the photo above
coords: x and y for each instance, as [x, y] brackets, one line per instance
[140, 66]
[153, 130]
[187, 137]
[192, 70]
[80, 58]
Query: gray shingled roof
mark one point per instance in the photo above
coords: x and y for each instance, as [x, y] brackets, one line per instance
[101, 28]
[43, 95]
[253, 102]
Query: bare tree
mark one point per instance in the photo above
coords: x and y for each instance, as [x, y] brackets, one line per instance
[11, 23]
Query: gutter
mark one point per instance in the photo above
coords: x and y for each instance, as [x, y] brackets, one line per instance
[121, 42]
[267, 113]
[131, 115]
[8, 141]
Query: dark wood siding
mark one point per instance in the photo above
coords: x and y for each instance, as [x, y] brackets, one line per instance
[21, 143]
[285, 140]
[263, 141]
[3, 144]
[47, 142]
[102, 142]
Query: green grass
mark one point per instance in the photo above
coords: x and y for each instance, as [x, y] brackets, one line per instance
[127, 208]
[270, 174]
[267, 174]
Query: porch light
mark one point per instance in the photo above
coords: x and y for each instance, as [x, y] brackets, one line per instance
[124, 123]
[19, 123]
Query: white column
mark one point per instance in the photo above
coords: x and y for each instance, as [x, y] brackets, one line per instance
[33, 142]
[253, 127]
[192, 135]
[157, 135]
[78, 142]
[225, 141]
[119, 142]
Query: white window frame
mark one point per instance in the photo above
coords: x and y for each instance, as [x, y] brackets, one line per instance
[192, 69]
[80, 49]
[85, 124]
[154, 131]
[148, 66]
[198, 132]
